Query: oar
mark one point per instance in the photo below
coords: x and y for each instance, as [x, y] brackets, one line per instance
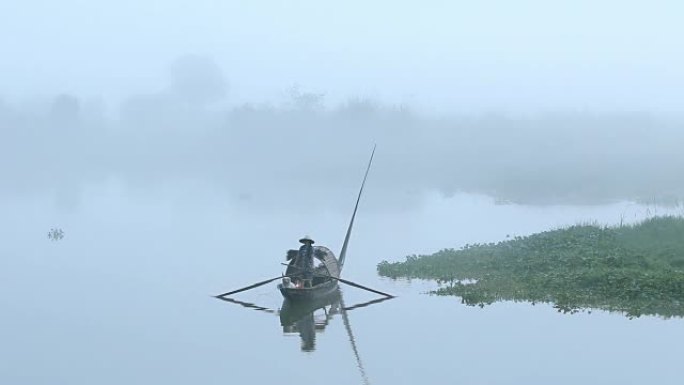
[350, 283]
[251, 286]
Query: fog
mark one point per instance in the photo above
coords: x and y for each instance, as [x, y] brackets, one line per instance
[529, 102]
[440, 56]
[301, 153]
[278, 103]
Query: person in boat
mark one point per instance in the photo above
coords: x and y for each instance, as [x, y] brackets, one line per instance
[305, 260]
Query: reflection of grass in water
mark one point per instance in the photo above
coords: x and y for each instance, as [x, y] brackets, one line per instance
[638, 269]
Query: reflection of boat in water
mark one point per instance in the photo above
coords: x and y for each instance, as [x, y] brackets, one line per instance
[294, 315]
[301, 317]
[307, 318]
[293, 311]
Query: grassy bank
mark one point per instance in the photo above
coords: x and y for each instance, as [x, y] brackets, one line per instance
[638, 269]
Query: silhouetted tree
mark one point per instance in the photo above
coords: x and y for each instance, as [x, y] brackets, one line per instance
[305, 101]
[65, 110]
[197, 80]
[359, 109]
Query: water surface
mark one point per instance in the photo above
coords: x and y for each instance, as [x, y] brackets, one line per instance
[126, 297]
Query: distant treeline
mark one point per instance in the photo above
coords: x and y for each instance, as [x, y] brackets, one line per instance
[302, 152]
[636, 269]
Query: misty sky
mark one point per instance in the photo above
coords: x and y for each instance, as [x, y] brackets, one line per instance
[448, 56]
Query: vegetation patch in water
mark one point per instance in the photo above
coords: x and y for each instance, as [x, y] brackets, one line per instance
[637, 269]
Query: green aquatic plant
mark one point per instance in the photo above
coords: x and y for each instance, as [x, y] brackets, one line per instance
[637, 269]
[55, 234]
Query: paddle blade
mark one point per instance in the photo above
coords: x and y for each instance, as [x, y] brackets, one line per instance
[249, 287]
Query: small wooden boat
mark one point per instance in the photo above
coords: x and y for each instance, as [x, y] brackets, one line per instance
[327, 274]
[323, 281]
[324, 278]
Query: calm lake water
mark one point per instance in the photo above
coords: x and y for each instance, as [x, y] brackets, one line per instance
[126, 297]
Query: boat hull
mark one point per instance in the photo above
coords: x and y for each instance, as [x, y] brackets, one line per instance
[308, 293]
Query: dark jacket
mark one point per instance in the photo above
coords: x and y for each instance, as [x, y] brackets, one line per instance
[305, 260]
